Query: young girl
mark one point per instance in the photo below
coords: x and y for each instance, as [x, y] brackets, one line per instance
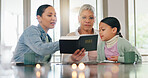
[113, 46]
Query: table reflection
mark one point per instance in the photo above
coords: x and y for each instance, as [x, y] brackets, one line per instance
[100, 70]
[93, 71]
[30, 71]
[117, 70]
[24, 72]
[82, 71]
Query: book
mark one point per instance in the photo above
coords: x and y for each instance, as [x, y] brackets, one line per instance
[69, 44]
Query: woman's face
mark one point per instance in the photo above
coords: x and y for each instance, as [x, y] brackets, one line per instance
[86, 20]
[106, 32]
[48, 18]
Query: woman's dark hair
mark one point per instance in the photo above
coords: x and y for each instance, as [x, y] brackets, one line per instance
[41, 9]
[113, 22]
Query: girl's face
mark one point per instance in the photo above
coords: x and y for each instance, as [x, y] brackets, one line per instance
[48, 18]
[86, 20]
[106, 32]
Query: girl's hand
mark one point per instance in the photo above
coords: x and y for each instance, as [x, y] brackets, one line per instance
[78, 55]
[113, 58]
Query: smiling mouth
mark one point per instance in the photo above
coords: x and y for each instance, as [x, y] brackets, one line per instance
[53, 23]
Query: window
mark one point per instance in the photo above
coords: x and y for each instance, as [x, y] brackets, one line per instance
[11, 26]
[138, 25]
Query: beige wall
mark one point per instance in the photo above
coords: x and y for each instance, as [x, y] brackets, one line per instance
[119, 9]
[64, 13]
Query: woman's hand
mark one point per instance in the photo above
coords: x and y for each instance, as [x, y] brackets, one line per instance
[113, 58]
[92, 55]
[78, 55]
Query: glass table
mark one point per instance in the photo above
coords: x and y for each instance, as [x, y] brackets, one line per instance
[58, 70]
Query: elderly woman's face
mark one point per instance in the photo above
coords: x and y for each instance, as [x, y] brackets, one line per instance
[48, 18]
[86, 19]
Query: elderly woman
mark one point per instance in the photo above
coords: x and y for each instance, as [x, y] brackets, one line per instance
[86, 19]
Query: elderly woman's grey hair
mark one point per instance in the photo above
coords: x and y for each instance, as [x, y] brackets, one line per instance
[86, 7]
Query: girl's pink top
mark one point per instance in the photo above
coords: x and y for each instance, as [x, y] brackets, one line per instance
[113, 51]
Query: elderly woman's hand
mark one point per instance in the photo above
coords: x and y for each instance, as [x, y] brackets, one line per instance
[78, 55]
[92, 55]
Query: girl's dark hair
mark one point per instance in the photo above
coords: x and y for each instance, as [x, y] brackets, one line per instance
[113, 22]
[41, 9]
